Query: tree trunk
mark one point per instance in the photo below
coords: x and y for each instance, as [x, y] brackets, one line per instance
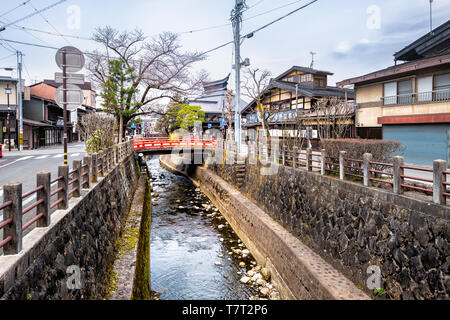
[120, 128]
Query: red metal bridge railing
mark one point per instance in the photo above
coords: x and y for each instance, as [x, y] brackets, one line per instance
[170, 143]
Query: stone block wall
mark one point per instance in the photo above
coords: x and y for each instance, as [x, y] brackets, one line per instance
[83, 236]
[353, 227]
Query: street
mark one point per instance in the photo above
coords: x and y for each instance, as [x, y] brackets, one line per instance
[23, 166]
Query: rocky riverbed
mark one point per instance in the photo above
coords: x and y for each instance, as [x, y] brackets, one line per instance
[195, 254]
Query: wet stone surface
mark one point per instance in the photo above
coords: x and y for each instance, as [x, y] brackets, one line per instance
[195, 254]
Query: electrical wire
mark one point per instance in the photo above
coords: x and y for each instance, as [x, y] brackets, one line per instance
[4, 58]
[245, 19]
[34, 13]
[51, 33]
[48, 22]
[37, 38]
[250, 34]
[15, 8]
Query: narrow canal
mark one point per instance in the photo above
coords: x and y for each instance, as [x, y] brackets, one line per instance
[195, 255]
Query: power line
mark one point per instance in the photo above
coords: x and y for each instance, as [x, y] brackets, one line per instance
[52, 33]
[250, 34]
[34, 13]
[48, 22]
[29, 44]
[245, 19]
[17, 7]
[37, 38]
[4, 58]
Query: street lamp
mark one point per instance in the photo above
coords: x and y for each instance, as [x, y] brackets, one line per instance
[8, 92]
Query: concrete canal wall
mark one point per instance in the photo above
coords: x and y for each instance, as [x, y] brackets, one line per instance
[350, 226]
[83, 236]
[298, 272]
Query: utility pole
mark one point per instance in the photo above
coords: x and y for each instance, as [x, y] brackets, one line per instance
[8, 121]
[431, 15]
[64, 70]
[312, 59]
[236, 19]
[19, 71]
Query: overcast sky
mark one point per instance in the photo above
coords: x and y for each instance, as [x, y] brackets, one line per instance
[350, 37]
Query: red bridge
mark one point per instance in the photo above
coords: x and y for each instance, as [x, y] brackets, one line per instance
[167, 144]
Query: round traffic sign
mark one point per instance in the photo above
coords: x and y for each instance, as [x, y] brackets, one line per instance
[75, 97]
[74, 59]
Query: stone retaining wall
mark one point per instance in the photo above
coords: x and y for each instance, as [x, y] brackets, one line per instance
[82, 236]
[354, 227]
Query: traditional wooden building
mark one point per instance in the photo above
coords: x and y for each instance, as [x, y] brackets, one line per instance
[410, 101]
[213, 102]
[43, 118]
[8, 115]
[290, 97]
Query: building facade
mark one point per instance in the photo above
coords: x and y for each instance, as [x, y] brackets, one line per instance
[8, 112]
[213, 103]
[291, 98]
[410, 102]
[43, 118]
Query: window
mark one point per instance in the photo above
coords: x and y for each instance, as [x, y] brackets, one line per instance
[405, 92]
[390, 93]
[442, 87]
[424, 89]
[306, 77]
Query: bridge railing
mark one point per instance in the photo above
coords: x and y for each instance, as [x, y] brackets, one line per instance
[175, 142]
[52, 195]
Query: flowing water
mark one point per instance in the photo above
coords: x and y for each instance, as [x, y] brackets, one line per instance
[191, 244]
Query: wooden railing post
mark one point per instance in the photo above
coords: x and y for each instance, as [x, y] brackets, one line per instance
[94, 169]
[323, 162]
[367, 159]
[294, 157]
[43, 179]
[439, 167]
[101, 156]
[398, 173]
[342, 164]
[110, 158]
[13, 192]
[87, 162]
[309, 159]
[76, 175]
[63, 171]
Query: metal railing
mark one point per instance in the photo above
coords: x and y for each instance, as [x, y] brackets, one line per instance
[397, 176]
[417, 98]
[68, 184]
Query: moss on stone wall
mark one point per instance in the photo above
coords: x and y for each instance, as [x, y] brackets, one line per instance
[141, 283]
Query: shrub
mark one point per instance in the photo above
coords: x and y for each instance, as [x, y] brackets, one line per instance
[381, 150]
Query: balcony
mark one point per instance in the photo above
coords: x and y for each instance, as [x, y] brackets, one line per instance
[417, 98]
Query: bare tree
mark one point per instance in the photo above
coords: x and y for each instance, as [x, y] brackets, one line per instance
[333, 117]
[228, 110]
[254, 84]
[160, 69]
[97, 130]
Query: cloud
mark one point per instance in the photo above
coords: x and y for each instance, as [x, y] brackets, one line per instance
[342, 47]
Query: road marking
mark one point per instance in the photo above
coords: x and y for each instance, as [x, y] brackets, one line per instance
[42, 157]
[21, 159]
[75, 155]
[25, 158]
[58, 156]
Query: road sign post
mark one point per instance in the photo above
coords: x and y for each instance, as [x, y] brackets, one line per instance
[69, 60]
